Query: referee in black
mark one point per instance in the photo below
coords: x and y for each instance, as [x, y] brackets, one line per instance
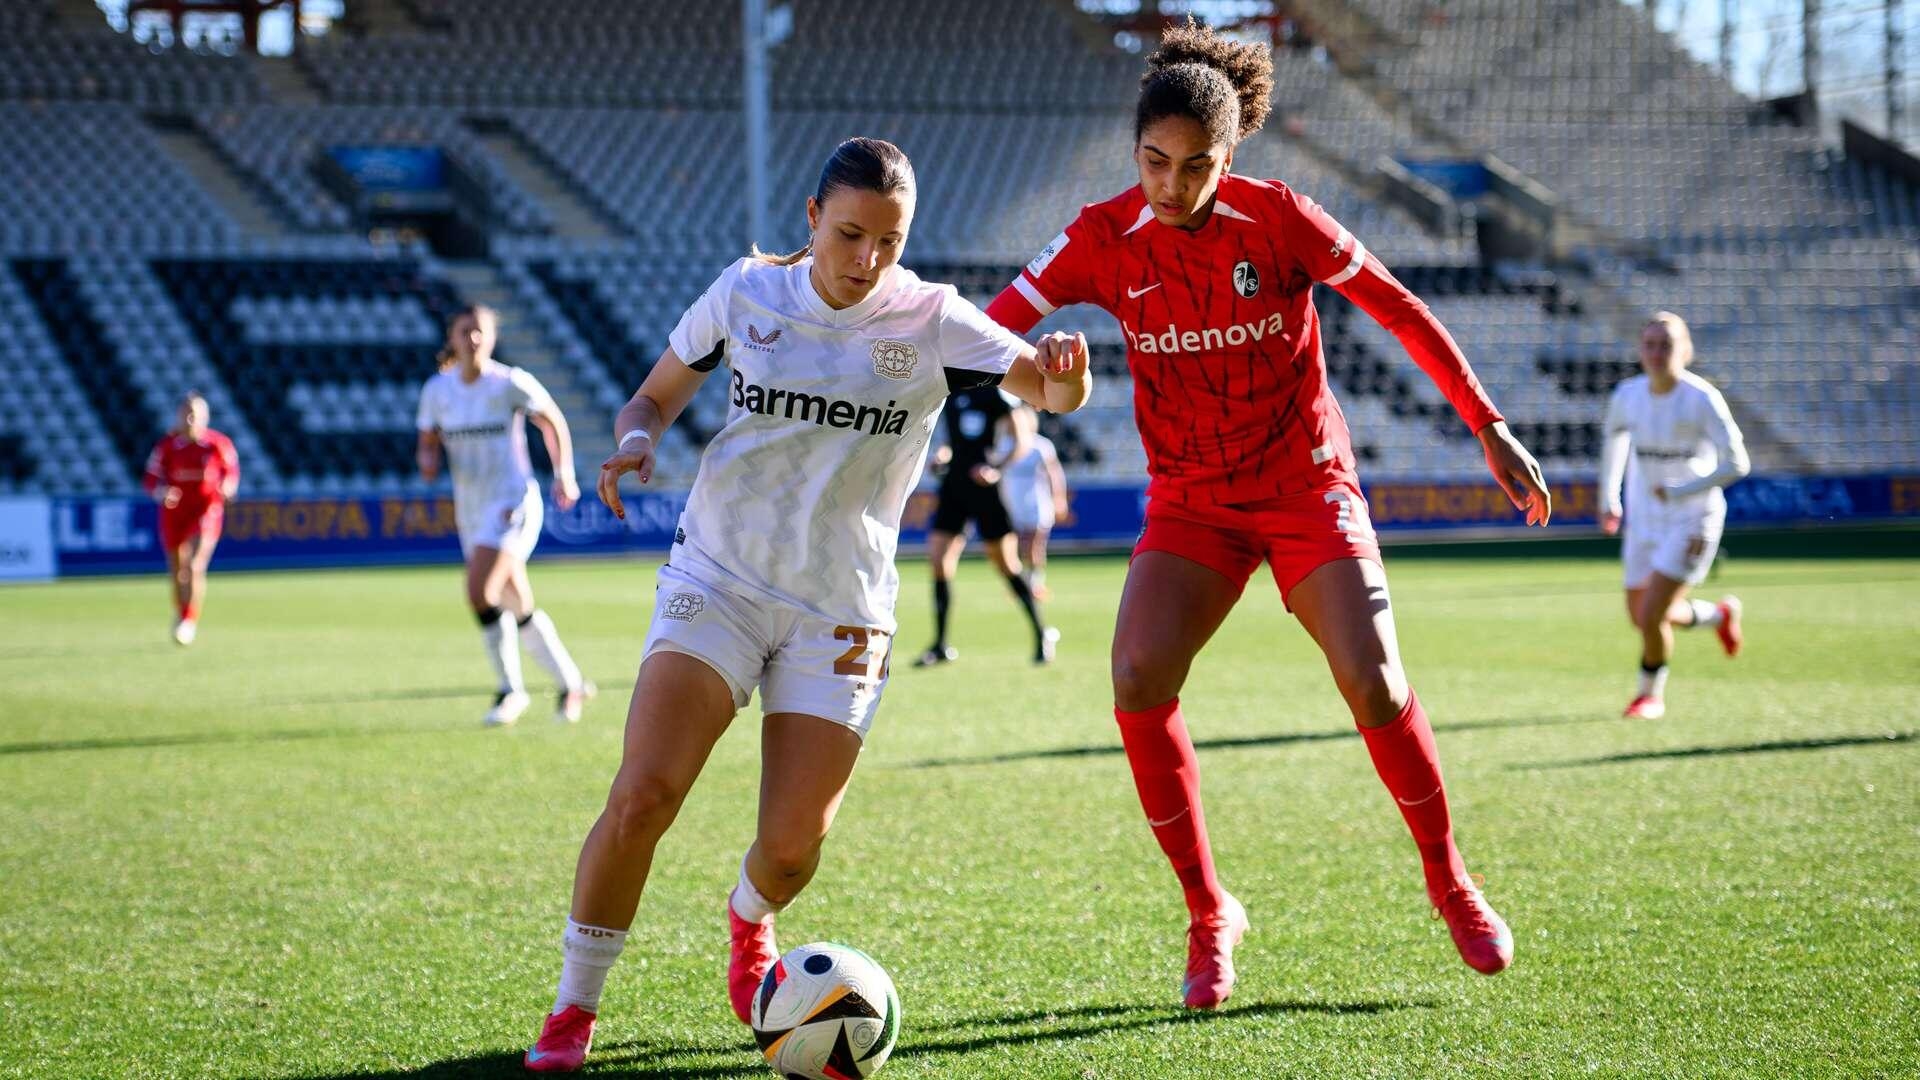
[977, 420]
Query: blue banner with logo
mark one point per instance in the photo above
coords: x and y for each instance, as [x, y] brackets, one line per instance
[118, 534]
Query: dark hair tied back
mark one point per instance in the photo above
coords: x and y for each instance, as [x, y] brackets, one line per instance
[860, 164]
[1223, 85]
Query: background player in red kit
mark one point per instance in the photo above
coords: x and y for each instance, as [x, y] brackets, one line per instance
[1211, 276]
[191, 473]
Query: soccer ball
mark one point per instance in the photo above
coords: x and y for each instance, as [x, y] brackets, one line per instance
[826, 1012]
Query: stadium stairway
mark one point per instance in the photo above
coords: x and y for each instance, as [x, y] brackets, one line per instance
[573, 217]
[286, 82]
[189, 148]
[524, 344]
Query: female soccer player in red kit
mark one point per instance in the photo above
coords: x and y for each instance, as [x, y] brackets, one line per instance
[191, 473]
[1211, 276]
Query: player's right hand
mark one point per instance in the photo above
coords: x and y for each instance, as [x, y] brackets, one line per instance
[1061, 356]
[1610, 523]
[638, 459]
[168, 496]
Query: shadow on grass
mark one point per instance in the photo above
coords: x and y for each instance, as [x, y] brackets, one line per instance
[1063, 1025]
[644, 1059]
[213, 738]
[1777, 746]
[378, 697]
[1245, 742]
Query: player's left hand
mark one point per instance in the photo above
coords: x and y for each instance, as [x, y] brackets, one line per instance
[1061, 357]
[566, 492]
[985, 475]
[1516, 472]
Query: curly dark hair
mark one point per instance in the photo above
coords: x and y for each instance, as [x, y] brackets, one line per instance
[1222, 84]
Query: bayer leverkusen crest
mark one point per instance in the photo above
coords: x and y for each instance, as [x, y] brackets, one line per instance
[894, 359]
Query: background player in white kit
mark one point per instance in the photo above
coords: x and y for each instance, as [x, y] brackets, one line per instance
[473, 409]
[782, 576]
[1684, 448]
[1036, 492]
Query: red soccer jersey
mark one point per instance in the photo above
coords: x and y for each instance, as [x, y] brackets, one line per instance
[201, 470]
[1223, 343]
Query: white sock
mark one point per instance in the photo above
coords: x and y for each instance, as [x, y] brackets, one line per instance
[749, 904]
[588, 953]
[502, 636]
[1653, 683]
[1704, 614]
[542, 639]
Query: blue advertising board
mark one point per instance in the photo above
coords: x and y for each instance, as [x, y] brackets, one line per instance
[1462, 178]
[391, 168]
[118, 535]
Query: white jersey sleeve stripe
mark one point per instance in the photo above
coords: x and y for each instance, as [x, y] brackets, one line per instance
[1354, 264]
[1026, 289]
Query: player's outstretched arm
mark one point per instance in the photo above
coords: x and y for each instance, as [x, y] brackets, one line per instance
[643, 420]
[1406, 316]
[559, 439]
[426, 454]
[1053, 375]
[1516, 472]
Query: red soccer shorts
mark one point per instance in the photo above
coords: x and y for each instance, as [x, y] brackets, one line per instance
[1294, 534]
[183, 523]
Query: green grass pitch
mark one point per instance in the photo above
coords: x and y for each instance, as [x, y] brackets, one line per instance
[291, 851]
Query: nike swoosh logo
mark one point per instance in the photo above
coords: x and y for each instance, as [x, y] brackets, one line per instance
[1156, 824]
[1135, 294]
[1416, 802]
[535, 1054]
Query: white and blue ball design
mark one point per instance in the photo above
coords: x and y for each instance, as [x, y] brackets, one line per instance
[826, 1012]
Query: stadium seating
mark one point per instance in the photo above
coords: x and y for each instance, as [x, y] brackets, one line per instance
[127, 280]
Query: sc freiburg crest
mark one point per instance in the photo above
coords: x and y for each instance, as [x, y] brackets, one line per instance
[894, 359]
[1246, 280]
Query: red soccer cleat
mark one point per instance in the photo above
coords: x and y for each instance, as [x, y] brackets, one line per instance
[1645, 707]
[1729, 628]
[1210, 942]
[750, 957]
[1479, 933]
[563, 1043]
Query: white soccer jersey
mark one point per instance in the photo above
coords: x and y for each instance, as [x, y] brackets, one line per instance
[1028, 479]
[1684, 441]
[799, 494]
[481, 423]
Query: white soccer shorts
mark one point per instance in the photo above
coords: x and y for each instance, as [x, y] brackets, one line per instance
[800, 663]
[513, 527]
[1680, 550]
[1030, 511]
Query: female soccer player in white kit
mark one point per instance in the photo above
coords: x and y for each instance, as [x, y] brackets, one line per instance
[1684, 448]
[473, 410]
[1036, 492]
[782, 577]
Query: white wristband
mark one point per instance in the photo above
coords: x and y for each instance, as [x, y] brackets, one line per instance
[636, 433]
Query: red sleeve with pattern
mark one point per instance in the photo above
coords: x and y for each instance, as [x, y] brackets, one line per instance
[1057, 277]
[229, 466]
[156, 468]
[1333, 256]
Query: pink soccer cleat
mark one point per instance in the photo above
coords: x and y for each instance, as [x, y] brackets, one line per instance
[1729, 628]
[1479, 933]
[563, 1043]
[1645, 707]
[1210, 942]
[751, 956]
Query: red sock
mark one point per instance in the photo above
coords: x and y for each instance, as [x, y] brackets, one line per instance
[1167, 775]
[190, 612]
[1404, 756]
